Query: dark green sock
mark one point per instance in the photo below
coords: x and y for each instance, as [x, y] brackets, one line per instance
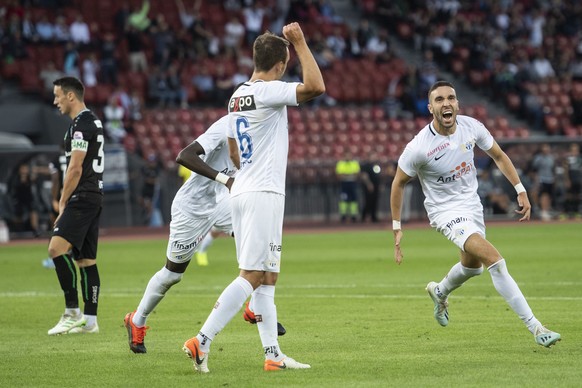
[67, 275]
[90, 284]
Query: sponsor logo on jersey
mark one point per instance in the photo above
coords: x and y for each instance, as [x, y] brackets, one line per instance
[186, 246]
[439, 148]
[274, 247]
[242, 103]
[457, 173]
[455, 221]
[79, 145]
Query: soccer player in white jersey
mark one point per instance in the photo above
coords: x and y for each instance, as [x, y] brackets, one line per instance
[442, 157]
[199, 205]
[258, 130]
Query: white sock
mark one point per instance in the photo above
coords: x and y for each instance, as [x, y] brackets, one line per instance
[457, 275]
[155, 291]
[91, 320]
[266, 314]
[206, 242]
[74, 311]
[509, 290]
[226, 307]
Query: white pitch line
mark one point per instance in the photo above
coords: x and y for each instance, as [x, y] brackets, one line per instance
[185, 294]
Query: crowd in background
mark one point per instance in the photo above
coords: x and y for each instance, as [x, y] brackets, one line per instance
[191, 62]
[510, 47]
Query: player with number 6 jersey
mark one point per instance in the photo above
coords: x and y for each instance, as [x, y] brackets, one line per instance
[258, 132]
[76, 228]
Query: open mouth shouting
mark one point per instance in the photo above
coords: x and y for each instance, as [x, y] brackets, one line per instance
[447, 115]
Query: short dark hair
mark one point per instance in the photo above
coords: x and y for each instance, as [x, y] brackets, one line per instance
[268, 50]
[438, 84]
[71, 84]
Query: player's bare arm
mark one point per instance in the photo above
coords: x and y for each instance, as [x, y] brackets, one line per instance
[313, 84]
[233, 152]
[396, 197]
[72, 178]
[506, 166]
[189, 157]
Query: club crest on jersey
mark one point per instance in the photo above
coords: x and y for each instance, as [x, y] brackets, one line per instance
[468, 146]
[242, 103]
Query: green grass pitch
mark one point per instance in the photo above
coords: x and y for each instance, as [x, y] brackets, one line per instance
[352, 313]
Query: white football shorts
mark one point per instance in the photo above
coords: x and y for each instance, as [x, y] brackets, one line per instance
[186, 232]
[257, 220]
[458, 226]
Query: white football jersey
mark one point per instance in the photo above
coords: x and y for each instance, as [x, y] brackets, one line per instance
[199, 195]
[258, 122]
[445, 165]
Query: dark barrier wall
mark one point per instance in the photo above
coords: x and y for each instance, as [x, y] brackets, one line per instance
[43, 124]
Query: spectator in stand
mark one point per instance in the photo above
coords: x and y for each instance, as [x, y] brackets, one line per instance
[535, 26]
[120, 19]
[45, 29]
[90, 70]
[71, 61]
[188, 18]
[163, 40]
[378, 47]
[223, 85]
[114, 114]
[544, 163]
[279, 15]
[322, 54]
[29, 33]
[234, 32]
[15, 47]
[48, 74]
[336, 42]
[135, 106]
[253, 17]
[135, 48]
[201, 36]
[61, 30]
[364, 32]
[204, 83]
[427, 72]
[353, 47]
[242, 73]
[138, 17]
[177, 93]
[494, 199]
[573, 167]
[108, 62]
[79, 31]
[166, 87]
[541, 69]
